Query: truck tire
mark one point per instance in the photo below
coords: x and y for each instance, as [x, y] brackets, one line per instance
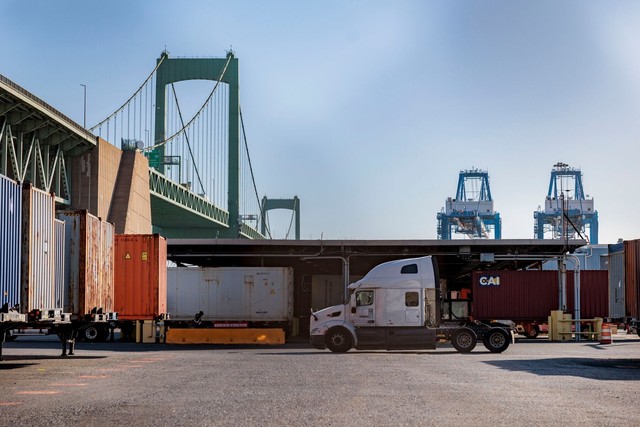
[496, 340]
[338, 340]
[464, 340]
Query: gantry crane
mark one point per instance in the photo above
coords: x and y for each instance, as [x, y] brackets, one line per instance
[567, 211]
[471, 212]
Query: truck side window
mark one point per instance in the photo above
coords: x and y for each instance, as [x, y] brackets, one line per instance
[364, 298]
[411, 299]
[409, 269]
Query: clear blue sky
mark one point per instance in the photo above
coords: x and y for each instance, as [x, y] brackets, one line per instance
[368, 110]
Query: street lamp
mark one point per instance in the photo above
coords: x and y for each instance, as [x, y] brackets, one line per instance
[85, 105]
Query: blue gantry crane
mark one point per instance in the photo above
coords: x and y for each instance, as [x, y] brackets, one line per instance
[567, 211]
[471, 213]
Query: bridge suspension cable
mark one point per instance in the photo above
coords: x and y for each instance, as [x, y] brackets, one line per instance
[186, 136]
[253, 179]
[128, 101]
[293, 212]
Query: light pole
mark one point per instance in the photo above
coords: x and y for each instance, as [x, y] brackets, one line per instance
[85, 105]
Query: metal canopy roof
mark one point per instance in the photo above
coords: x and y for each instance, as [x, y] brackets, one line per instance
[456, 258]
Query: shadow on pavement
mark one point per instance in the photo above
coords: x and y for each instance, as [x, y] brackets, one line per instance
[595, 369]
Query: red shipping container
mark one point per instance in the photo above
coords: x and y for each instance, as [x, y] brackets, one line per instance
[594, 293]
[140, 276]
[532, 294]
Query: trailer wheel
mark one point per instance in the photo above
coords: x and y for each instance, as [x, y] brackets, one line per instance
[496, 340]
[464, 340]
[94, 333]
[338, 340]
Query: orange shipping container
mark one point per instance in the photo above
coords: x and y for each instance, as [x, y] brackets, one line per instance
[140, 276]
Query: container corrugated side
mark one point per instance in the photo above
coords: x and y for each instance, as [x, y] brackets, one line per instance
[616, 285]
[88, 266]
[37, 250]
[140, 283]
[517, 295]
[10, 241]
[632, 279]
[249, 294]
[328, 290]
[59, 261]
[107, 257]
[533, 294]
[594, 293]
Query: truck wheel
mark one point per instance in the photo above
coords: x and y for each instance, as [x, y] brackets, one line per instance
[496, 340]
[464, 340]
[338, 340]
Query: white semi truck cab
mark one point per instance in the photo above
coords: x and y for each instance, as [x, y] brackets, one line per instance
[396, 306]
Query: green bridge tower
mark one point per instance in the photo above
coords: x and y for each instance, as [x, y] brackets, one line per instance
[173, 70]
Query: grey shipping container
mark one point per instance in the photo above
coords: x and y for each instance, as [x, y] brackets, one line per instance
[37, 289]
[88, 272]
[616, 285]
[236, 294]
[10, 241]
[632, 278]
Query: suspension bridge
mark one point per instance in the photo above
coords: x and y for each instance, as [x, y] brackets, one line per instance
[200, 176]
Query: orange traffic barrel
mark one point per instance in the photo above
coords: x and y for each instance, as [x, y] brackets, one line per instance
[605, 336]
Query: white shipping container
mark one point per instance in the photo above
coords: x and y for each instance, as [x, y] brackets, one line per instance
[230, 294]
[38, 250]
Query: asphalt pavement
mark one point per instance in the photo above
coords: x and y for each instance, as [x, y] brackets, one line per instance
[535, 382]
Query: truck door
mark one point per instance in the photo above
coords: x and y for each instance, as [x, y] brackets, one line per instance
[412, 310]
[363, 314]
[363, 317]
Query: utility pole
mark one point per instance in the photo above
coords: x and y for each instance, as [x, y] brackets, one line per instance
[85, 105]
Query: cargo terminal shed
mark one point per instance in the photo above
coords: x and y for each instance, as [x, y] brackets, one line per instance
[324, 268]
